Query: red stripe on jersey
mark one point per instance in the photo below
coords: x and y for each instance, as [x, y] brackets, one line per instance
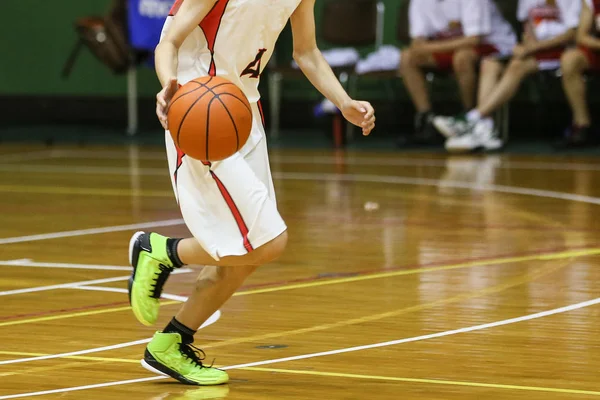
[175, 7]
[180, 155]
[234, 211]
[262, 114]
[210, 26]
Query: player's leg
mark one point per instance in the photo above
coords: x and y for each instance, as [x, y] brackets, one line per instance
[480, 131]
[510, 82]
[216, 284]
[450, 126]
[411, 70]
[489, 75]
[414, 78]
[574, 63]
[464, 64]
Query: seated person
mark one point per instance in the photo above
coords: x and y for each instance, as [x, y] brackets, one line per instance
[550, 26]
[451, 35]
[574, 63]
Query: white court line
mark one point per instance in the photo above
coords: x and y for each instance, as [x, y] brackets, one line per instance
[211, 320]
[121, 290]
[395, 180]
[399, 180]
[349, 159]
[26, 262]
[91, 231]
[81, 283]
[338, 351]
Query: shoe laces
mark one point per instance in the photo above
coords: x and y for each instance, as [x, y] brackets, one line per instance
[159, 281]
[194, 354]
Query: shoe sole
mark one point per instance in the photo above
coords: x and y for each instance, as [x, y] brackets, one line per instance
[133, 260]
[150, 363]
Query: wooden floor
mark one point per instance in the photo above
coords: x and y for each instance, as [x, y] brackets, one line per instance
[412, 276]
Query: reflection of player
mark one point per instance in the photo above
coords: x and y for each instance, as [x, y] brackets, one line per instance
[229, 206]
[549, 27]
[574, 64]
[451, 35]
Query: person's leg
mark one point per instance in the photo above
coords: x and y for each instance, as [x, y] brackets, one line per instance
[234, 233]
[464, 63]
[516, 71]
[574, 63]
[489, 75]
[413, 77]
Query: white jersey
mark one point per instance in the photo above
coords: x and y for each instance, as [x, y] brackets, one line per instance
[235, 41]
[451, 18]
[550, 18]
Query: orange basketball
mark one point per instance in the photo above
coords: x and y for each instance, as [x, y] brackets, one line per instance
[209, 118]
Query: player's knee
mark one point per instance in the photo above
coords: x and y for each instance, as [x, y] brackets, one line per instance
[463, 61]
[490, 66]
[408, 61]
[571, 63]
[271, 251]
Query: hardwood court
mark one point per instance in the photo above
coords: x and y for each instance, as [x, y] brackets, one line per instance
[412, 276]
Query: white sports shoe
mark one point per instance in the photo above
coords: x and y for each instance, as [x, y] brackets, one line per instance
[482, 136]
[451, 126]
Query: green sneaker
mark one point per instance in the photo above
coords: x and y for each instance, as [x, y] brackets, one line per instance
[167, 355]
[151, 268]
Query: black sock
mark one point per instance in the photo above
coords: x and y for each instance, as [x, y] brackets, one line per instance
[172, 252]
[187, 334]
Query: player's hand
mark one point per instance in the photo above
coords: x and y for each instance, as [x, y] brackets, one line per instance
[361, 114]
[163, 99]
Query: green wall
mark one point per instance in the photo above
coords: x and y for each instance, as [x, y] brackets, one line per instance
[34, 51]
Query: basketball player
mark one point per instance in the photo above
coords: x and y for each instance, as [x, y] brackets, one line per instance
[451, 36]
[229, 206]
[550, 27]
[575, 63]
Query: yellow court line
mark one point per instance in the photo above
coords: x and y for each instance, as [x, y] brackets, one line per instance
[428, 381]
[498, 288]
[419, 307]
[344, 375]
[83, 191]
[478, 263]
[73, 315]
[84, 358]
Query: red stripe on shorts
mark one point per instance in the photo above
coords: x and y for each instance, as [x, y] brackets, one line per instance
[262, 114]
[234, 211]
[180, 155]
[210, 26]
[175, 8]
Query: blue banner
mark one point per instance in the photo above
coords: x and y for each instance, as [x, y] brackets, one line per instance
[146, 20]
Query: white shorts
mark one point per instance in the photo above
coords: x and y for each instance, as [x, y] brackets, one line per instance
[229, 206]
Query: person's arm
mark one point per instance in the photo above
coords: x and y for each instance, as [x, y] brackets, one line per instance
[319, 73]
[191, 13]
[562, 40]
[444, 46]
[584, 33]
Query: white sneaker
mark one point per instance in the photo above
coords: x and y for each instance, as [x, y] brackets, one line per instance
[482, 136]
[451, 126]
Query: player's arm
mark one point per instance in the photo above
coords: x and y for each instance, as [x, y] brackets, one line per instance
[444, 46]
[319, 73]
[476, 21]
[584, 32]
[557, 41]
[191, 13]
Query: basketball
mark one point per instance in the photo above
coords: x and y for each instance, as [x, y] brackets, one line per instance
[209, 118]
